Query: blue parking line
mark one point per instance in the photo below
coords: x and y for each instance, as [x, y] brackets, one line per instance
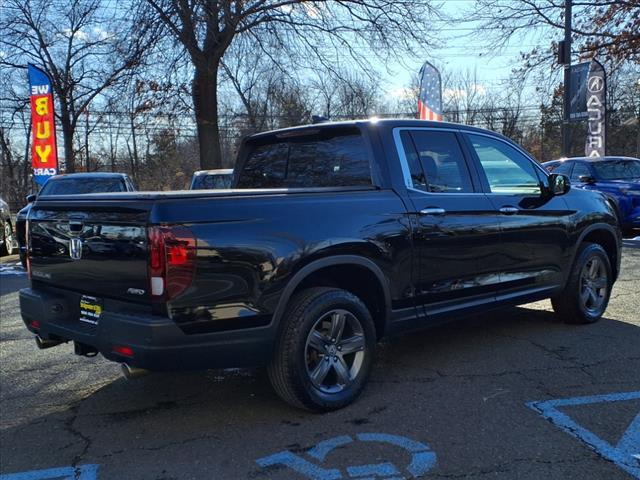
[82, 472]
[625, 454]
[422, 459]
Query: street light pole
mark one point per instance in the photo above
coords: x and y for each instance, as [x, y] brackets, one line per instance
[566, 130]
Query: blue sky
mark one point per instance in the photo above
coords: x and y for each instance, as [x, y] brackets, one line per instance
[461, 50]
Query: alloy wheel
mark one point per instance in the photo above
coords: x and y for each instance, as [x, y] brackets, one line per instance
[334, 351]
[594, 284]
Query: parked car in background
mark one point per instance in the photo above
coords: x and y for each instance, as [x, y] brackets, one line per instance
[7, 236]
[212, 179]
[618, 178]
[333, 236]
[72, 184]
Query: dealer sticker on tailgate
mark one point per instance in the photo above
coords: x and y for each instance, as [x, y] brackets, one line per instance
[90, 309]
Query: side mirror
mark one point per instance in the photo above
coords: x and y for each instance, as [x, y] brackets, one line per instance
[31, 198]
[586, 179]
[559, 184]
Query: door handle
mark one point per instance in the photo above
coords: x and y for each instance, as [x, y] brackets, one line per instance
[509, 210]
[433, 211]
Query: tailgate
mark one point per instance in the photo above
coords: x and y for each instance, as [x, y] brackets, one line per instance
[93, 247]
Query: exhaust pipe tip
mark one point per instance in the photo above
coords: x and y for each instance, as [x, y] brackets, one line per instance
[131, 373]
[43, 344]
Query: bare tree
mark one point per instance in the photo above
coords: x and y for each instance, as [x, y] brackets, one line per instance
[358, 95]
[316, 31]
[83, 45]
[609, 29]
[463, 97]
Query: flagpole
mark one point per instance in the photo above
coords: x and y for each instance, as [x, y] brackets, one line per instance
[566, 131]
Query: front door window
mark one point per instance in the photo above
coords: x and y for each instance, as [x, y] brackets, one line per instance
[507, 170]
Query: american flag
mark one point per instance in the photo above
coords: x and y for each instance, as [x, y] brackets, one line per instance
[430, 99]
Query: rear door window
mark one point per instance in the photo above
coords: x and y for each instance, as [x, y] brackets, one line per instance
[436, 162]
[331, 159]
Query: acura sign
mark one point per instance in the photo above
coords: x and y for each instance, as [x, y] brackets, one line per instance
[597, 111]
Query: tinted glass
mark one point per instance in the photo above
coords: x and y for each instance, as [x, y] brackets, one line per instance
[563, 168]
[442, 161]
[578, 171]
[334, 161]
[617, 169]
[73, 186]
[265, 167]
[212, 181]
[507, 170]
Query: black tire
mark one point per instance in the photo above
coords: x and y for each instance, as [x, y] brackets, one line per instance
[571, 305]
[296, 357]
[8, 239]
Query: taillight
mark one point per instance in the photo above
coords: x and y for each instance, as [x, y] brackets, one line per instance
[122, 350]
[172, 261]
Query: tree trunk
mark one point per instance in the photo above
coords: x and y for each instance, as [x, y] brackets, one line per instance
[67, 134]
[134, 157]
[86, 140]
[205, 101]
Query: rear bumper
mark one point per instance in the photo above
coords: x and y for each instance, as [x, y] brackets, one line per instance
[157, 342]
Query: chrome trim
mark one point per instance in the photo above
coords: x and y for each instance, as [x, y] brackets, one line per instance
[433, 211]
[404, 163]
[509, 210]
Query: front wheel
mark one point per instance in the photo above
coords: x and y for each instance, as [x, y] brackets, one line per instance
[586, 295]
[325, 350]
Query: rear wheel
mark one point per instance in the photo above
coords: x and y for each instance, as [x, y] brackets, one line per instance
[586, 295]
[325, 350]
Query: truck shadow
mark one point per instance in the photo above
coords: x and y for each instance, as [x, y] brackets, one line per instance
[96, 419]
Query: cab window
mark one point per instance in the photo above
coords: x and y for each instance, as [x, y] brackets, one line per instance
[507, 170]
[436, 162]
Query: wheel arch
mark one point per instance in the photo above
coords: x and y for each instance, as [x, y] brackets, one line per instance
[604, 235]
[358, 275]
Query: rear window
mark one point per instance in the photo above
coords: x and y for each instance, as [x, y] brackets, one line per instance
[212, 181]
[327, 159]
[74, 186]
[617, 169]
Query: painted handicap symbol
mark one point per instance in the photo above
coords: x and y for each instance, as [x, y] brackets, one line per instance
[422, 459]
[625, 453]
[81, 472]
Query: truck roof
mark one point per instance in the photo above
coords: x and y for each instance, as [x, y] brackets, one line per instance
[372, 122]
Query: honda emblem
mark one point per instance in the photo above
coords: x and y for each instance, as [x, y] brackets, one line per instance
[75, 248]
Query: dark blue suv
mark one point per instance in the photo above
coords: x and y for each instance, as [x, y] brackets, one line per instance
[618, 178]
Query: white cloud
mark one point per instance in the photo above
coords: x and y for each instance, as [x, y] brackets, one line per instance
[403, 93]
[80, 35]
[460, 93]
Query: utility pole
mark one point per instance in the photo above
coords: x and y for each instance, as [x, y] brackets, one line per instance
[566, 55]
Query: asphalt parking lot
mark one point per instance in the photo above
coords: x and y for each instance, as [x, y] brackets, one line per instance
[512, 394]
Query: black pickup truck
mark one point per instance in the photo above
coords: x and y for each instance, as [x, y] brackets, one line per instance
[332, 237]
